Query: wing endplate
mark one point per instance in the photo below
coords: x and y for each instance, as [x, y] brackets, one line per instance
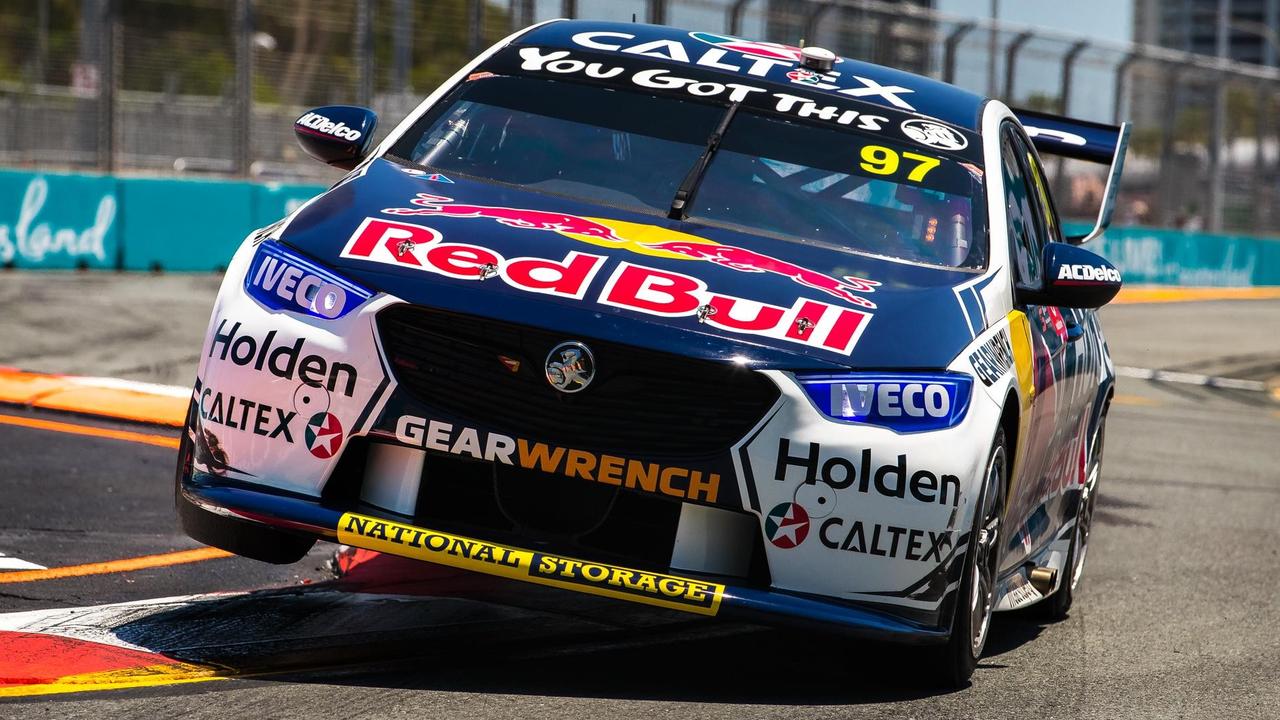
[1082, 140]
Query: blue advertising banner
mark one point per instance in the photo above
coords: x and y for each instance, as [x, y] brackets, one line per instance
[49, 220]
[1149, 256]
[65, 221]
[56, 221]
[183, 224]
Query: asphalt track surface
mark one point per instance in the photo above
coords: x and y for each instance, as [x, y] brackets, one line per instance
[1179, 614]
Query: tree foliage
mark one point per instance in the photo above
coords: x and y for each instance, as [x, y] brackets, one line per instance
[304, 50]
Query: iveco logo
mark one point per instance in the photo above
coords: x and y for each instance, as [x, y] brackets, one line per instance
[570, 367]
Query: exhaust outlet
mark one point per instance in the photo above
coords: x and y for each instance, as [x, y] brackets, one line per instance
[1043, 579]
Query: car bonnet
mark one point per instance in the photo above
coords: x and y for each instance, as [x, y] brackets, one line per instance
[595, 271]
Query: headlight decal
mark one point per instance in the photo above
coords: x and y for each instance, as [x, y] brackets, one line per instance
[903, 402]
[283, 280]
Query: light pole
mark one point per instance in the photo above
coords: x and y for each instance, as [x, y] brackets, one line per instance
[1218, 127]
[993, 44]
[1263, 31]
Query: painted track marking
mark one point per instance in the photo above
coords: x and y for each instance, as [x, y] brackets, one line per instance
[1191, 379]
[1134, 400]
[8, 562]
[74, 429]
[108, 397]
[1157, 294]
[114, 566]
[37, 663]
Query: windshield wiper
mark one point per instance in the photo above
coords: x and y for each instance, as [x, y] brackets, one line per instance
[684, 194]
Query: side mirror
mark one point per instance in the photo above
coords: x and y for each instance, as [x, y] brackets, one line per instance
[337, 135]
[1074, 278]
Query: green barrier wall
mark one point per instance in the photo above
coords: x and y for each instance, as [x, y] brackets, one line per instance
[1148, 256]
[58, 221]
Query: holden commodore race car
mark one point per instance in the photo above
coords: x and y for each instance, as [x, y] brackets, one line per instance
[720, 327]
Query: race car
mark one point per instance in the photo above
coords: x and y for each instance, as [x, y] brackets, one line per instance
[717, 326]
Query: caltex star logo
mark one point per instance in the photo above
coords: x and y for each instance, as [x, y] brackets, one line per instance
[787, 525]
[803, 76]
[324, 435]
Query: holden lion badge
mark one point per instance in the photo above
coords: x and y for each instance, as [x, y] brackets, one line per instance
[570, 367]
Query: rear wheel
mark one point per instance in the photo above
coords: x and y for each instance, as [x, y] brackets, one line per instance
[957, 660]
[241, 537]
[1058, 605]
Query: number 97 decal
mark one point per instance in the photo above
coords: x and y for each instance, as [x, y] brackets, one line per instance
[880, 160]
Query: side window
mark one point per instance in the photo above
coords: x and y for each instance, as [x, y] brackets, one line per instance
[1025, 235]
[1043, 205]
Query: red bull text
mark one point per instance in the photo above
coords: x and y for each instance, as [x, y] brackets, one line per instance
[735, 258]
[631, 287]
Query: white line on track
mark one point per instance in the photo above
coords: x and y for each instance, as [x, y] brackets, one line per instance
[1191, 379]
[142, 387]
[13, 563]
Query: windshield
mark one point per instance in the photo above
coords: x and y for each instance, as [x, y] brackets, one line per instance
[838, 187]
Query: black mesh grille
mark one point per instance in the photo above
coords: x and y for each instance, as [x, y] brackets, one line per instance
[640, 402]
[547, 512]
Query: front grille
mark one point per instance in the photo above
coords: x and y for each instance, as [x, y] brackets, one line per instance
[546, 512]
[641, 402]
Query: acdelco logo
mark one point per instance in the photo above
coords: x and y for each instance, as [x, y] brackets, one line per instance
[1088, 273]
[324, 125]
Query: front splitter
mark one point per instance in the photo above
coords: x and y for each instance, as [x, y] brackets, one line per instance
[683, 593]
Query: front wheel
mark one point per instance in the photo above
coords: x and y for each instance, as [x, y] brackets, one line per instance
[957, 660]
[244, 538]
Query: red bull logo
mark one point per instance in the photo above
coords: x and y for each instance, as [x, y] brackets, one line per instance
[441, 206]
[630, 287]
[744, 260]
[689, 248]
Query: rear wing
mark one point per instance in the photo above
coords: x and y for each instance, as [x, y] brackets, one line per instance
[1082, 140]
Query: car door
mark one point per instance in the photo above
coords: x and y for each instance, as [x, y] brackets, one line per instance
[1076, 374]
[1031, 224]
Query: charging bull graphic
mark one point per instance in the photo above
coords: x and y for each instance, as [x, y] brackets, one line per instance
[688, 247]
[745, 260]
[511, 217]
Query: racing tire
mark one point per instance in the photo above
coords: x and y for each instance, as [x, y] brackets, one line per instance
[1058, 605]
[955, 662]
[242, 537]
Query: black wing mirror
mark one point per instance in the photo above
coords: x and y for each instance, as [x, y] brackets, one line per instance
[1075, 278]
[337, 135]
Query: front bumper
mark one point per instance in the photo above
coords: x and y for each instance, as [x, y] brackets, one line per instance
[707, 596]
[299, 419]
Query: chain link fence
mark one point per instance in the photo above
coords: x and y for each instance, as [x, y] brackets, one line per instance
[210, 87]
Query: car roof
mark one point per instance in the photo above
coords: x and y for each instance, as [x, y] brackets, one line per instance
[766, 62]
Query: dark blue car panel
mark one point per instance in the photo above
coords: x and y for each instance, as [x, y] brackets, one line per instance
[916, 322]
[886, 87]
